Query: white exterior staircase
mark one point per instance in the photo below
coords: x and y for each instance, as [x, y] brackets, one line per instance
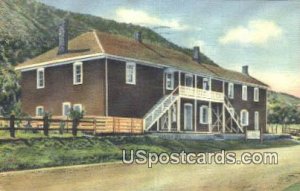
[161, 107]
[233, 114]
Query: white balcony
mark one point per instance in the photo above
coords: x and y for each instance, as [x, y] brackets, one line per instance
[200, 94]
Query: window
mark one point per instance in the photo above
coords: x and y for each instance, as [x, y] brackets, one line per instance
[39, 111]
[174, 113]
[256, 94]
[205, 84]
[40, 78]
[169, 81]
[188, 80]
[77, 73]
[204, 114]
[230, 90]
[130, 73]
[244, 93]
[66, 108]
[244, 118]
[256, 120]
[77, 107]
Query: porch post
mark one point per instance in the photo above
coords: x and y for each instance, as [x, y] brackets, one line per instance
[223, 110]
[209, 109]
[195, 106]
[178, 114]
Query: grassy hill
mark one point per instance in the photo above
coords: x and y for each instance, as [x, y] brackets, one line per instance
[284, 97]
[29, 28]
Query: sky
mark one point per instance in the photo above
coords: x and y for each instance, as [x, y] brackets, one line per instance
[265, 35]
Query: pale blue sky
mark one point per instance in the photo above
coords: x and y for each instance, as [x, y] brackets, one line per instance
[262, 34]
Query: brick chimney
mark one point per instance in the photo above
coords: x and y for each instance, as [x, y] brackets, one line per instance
[196, 54]
[138, 36]
[63, 37]
[245, 70]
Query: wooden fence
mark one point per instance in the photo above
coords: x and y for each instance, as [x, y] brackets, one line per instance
[95, 125]
[293, 129]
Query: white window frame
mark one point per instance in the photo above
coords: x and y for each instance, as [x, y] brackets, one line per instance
[75, 82]
[185, 79]
[63, 108]
[256, 120]
[38, 78]
[37, 111]
[201, 114]
[169, 78]
[78, 105]
[244, 93]
[256, 94]
[185, 122]
[208, 84]
[247, 117]
[231, 90]
[133, 82]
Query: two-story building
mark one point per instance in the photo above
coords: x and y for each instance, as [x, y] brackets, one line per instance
[110, 75]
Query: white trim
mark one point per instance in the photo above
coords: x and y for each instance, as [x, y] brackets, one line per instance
[256, 94]
[184, 115]
[230, 88]
[63, 107]
[247, 117]
[256, 120]
[98, 41]
[208, 83]
[38, 86]
[106, 87]
[37, 112]
[244, 93]
[78, 105]
[202, 107]
[171, 80]
[75, 82]
[127, 79]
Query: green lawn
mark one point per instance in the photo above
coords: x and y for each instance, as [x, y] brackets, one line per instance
[40, 152]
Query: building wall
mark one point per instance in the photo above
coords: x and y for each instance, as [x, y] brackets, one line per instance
[59, 88]
[128, 100]
[250, 105]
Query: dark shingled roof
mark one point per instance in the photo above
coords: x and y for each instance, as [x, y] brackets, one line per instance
[98, 42]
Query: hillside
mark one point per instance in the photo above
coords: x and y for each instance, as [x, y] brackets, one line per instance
[29, 28]
[284, 97]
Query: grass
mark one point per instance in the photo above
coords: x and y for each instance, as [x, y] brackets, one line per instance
[23, 134]
[41, 152]
[293, 187]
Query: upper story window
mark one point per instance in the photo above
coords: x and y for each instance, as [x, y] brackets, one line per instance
[77, 73]
[77, 107]
[256, 95]
[244, 93]
[204, 114]
[205, 83]
[230, 90]
[39, 111]
[244, 118]
[40, 78]
[130, 73]
[188, 80]
[169, 81]
[66, 108]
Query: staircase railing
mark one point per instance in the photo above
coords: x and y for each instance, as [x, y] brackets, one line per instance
[159, 109]
[233, 114]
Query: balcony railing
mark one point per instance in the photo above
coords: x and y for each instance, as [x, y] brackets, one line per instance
[200, 94]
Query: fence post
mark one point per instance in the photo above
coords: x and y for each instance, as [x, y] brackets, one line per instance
[46, 125]
[12, 126]
[94, 125]
[74, 127]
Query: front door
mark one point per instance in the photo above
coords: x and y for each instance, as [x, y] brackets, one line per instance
[188, 117]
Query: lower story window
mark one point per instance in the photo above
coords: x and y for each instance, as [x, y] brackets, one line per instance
[244, 118]
[204, 114]
[66, 108]
[39, 111]
[77, 107]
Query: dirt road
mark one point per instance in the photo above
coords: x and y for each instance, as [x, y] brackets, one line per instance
[161, 177]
